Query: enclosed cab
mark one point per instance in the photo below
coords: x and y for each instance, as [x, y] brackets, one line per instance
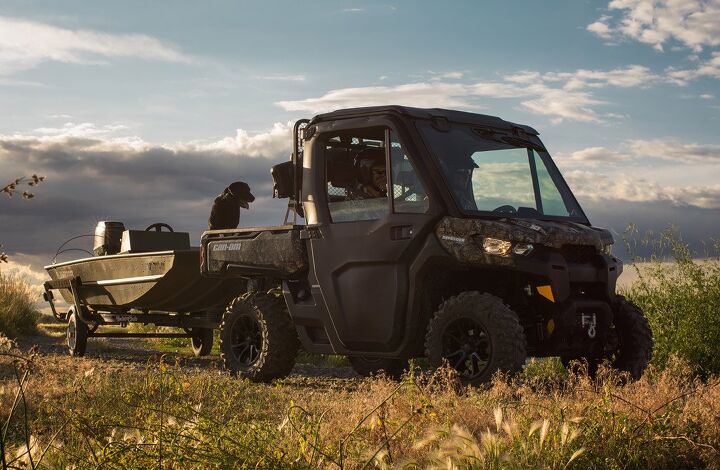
[438, 233]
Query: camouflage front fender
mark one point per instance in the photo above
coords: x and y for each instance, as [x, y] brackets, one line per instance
[463, 237]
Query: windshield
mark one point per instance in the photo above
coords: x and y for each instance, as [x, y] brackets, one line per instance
[507, 178]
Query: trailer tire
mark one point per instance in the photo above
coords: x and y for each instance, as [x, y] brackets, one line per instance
[453, 336]
[201, 341]
[76, 334]
[367, 366]
[258, 339]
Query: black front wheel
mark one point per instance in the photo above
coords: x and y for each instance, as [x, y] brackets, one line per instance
[76, 334]
[258, 339]
[201, 341]
[477, 335]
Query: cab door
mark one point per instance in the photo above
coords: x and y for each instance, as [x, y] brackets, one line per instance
[362, 258]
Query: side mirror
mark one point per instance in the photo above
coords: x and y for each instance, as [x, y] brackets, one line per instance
[282, 175]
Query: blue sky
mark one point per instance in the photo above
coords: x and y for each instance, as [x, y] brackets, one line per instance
[625, 94]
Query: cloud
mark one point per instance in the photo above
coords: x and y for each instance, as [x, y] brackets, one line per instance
[594, 156]
[26, 44]
[673, 150]
[559, 95]
[708, 68]
[670, 150]
[436, 94]
[693, 23]
[617, 187]
[96, 172]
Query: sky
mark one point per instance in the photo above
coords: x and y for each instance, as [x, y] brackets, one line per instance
[144, 111]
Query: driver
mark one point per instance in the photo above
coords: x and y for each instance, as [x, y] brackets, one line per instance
[225, 213]
[372, 174]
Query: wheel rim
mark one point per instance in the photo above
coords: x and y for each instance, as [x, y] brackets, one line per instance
[467, 348]
[246, 337]
[71, 334]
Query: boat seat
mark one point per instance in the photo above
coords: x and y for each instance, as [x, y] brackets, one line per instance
[140, 241]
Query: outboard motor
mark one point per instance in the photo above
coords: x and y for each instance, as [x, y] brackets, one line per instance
[108, 238]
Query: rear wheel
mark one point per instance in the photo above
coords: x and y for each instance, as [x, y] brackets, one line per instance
[368, 365]
[201, 341]
[76, 334]
[258, 339]
[477, 334]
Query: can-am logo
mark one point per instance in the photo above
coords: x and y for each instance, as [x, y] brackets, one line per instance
[227, 246]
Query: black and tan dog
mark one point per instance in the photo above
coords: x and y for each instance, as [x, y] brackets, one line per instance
[225, 211]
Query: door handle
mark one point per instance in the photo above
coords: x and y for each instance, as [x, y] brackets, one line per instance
[401, 232]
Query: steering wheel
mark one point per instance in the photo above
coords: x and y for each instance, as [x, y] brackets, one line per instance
[506, 209]
[158, 226]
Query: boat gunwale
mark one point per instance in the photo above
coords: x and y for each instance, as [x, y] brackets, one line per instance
[119, 256]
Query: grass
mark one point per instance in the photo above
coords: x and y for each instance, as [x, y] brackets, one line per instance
[681, 300]
[169, 417]
[18, 314]
[84, 413]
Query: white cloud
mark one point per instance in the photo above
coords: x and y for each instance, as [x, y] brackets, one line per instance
[707, 96]
[672, 150]
[115, 138]
[628, 77]
[693, 23]
[559, 95]
[708, 68]
[563, 105]
[601, 27]
[618, 187]
[25, 44]
[436, 94]
[276, 141]
[594, 156]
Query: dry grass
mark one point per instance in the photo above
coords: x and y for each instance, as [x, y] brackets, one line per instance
[160, 415]
[17, 306]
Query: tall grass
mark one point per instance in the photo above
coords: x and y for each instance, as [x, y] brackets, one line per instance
[167, 417]
[680, 296]
[17, 306]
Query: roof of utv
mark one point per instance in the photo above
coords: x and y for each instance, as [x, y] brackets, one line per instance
[422, 113]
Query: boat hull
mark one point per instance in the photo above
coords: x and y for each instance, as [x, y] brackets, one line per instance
[159, 281]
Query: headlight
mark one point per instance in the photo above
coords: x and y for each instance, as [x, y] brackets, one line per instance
[607, 249]
[495, 246]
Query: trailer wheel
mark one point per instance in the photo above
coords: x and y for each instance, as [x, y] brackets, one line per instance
[367, 366]
[76, 334]
[258, 340]
[201, 341]
[477, 334]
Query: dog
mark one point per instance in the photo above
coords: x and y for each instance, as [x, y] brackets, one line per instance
[225, 213]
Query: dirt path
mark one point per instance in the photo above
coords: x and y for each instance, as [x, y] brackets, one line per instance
[111, 354]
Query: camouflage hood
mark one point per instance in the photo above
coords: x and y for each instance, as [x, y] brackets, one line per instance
[458, 236]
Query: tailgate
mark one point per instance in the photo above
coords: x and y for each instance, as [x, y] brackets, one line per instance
[264, 251]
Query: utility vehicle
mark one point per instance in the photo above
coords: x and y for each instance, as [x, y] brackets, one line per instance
[475, 254]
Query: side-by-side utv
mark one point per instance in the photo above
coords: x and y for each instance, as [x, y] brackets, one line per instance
[423, 232]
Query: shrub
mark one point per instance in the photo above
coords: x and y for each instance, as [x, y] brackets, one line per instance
[681, 300]
[17, 307]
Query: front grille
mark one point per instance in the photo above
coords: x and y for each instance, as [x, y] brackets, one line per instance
[579, 253]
